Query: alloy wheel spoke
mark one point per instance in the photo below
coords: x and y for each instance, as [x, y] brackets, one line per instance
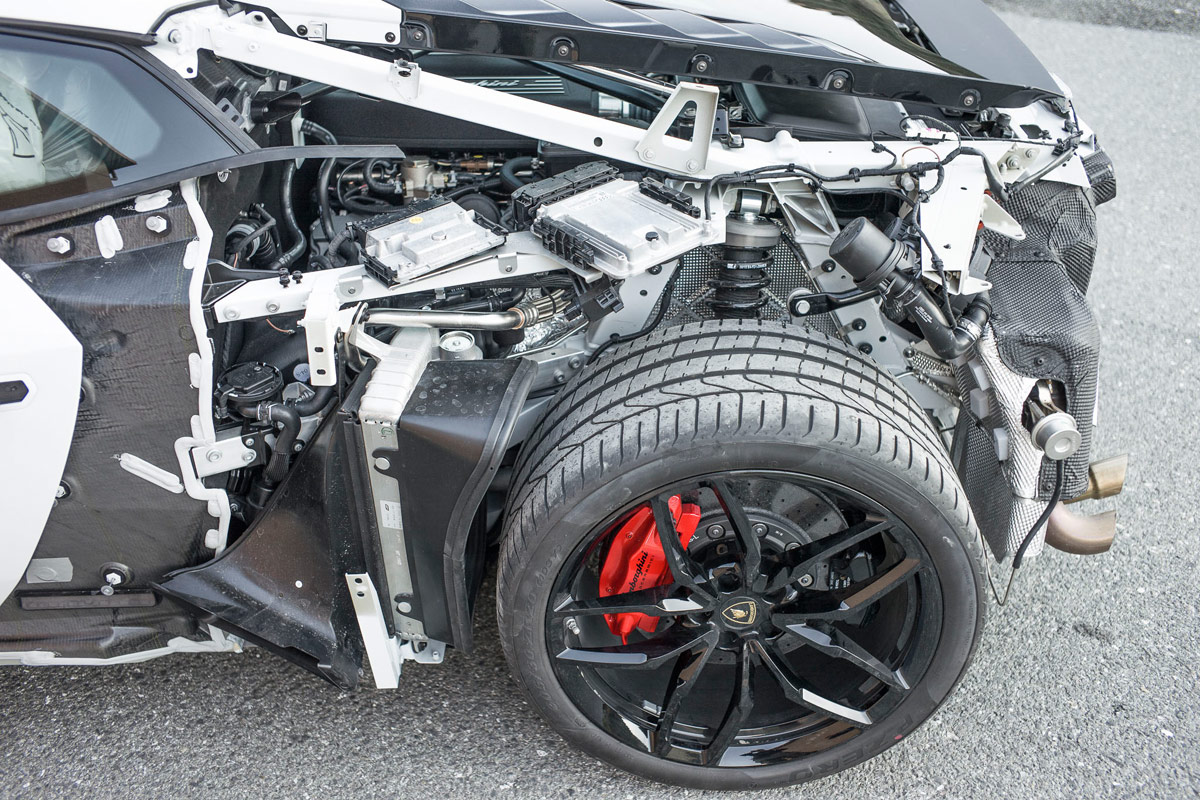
[671, 600]
[686, 674]
[801, 695]
[683, 567]
[650, 654]
[744, 529]
[740, 706]
[830, 547]
[835, 643]
[873, 592]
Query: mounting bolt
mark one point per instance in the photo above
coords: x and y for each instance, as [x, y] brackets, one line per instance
[1030, 153]
[759, 529]
[575, 363]
[404, 607]
[560, 376]
[702, 64]
[1013, 163]
[60, 245]
[859, 325]
[909, 352]
[389, 37]
[649, 155]
[692, 165]
[716, 531]
[302, 30]
[272, 307]
[231, 313]
[249, 456]
[806, 580]
[106, 590]
[62, 491]
[298, 447]
[418, 35]
[213, 455]
[382, 464]
[829, 265]
[114, 578]
[175, 36]
[969, 99]
[157, 224]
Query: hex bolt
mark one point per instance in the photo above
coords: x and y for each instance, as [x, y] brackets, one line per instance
[418, 36]
[62, 491]
[716, 531]
[175, 36]
[437, 656]
[1030, 153]
[859, 324]
[806, 580]
[157, 224]
[249, 456]
[560, 376]
[298, 447]
[59, 245]
[839, 83]
[575, 363]
[213, 455]
[829, 266]
[1013, 162]
[649, 155]
[114, 578]
[382, 464]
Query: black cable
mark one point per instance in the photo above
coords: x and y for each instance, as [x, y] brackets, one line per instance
[289, 219]
[668, 292]
[1059, 471]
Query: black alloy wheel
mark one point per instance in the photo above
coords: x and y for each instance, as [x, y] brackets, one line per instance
[799, 614]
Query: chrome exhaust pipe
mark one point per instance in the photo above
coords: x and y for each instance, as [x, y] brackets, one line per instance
[1088, 536]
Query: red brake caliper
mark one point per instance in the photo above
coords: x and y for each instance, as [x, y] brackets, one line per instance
[636, 561]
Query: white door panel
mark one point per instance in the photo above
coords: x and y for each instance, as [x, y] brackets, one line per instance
[37, 350]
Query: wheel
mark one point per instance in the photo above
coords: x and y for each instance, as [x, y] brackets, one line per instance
[817, 596]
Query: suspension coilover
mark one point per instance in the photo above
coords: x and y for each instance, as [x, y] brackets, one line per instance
[739, 289]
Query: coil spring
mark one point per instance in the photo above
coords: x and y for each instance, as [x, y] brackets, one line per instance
[739, 289]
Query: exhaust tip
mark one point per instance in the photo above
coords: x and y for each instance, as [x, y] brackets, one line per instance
[1079, 535]
[1105, 479]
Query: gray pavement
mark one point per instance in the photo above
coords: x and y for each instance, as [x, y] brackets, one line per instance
[1180, 16]
[1085, 684]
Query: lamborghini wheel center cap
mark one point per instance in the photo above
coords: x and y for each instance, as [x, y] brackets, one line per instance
[741, 613]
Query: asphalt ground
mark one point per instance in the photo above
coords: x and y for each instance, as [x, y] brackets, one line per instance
[1085, 685]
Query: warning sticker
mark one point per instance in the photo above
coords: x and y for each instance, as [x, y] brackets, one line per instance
[389, 515]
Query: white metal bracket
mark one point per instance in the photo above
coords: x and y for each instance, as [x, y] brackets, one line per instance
[385, 653]
[660, 149]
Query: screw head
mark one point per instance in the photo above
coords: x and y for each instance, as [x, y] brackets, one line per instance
[389, 37]
[249, 456]
[829, 265]
[563, 51]
[839, 83]
[649, 155]
[806, 580]
[716, 531]
[175, 36]
[232, 313]
[759, 529]
[272, 307]
[106, 590]
[156, 224]
[302, 30]
[418, 36]
[1030, 153]
[62, 491]
[575, 363]
[692, 165]
[213, 455]
[59, 245]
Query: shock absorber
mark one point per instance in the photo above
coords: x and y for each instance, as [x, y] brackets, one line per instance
[739, 289]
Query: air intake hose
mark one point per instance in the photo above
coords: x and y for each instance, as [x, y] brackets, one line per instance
[876, 261]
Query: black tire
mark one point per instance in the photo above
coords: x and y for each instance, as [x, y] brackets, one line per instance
[706, 398]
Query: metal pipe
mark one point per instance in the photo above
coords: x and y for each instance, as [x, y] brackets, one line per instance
[528, 313]
[1105, 479]
[1080, 535]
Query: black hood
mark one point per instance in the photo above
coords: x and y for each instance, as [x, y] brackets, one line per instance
[951, 53]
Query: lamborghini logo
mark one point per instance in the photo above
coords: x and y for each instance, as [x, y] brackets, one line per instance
[743, 612]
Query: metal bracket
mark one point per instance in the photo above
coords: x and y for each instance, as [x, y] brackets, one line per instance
[405, 77]
[659, 149]
[382, 651]
[226, 455]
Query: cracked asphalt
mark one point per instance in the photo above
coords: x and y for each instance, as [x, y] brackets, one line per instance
[1084, 685]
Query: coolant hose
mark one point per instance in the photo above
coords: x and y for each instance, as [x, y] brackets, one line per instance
[321, 397]
[289, 219]
[289, 420]
[508, 172]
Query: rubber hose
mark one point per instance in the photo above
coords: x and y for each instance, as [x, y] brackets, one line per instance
[508, 172]
[289, 419]
[289, 219]
[321, 397]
